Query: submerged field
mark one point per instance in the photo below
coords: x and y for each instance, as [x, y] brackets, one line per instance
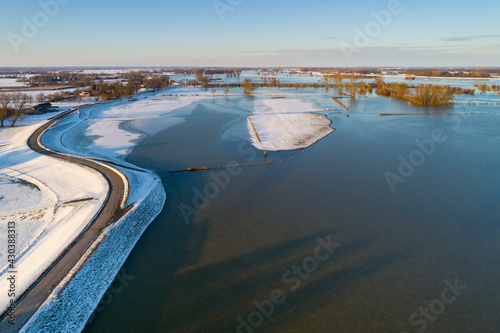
[409, 202]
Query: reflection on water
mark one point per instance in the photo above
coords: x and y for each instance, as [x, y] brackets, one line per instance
[207, 273]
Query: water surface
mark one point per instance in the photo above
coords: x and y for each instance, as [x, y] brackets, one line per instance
[396, 248]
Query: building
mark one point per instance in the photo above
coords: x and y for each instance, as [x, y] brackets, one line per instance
[41, 108]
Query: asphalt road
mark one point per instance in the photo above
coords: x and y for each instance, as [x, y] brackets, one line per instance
[110, 212]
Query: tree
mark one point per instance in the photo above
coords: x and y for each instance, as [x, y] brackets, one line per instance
[128, 91]
[4, 114]
[378, 80]
[19, 100]
[5, 100]
[154, 83]
[338, 78]
[213, 92]
[352, 86]
[134, 85]
[326, 79]
[248, 87]
[203, 80]
[226, 90]
[40, 98]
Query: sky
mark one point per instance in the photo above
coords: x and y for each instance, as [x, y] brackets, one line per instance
[249, 33]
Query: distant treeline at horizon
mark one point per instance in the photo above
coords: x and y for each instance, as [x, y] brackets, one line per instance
[418, 71]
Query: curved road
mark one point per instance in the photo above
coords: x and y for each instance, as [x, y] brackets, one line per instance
[111, 211]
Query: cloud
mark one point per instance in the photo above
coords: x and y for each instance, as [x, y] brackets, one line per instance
[467, 38]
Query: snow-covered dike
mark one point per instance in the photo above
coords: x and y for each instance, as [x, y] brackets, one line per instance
[111, 140]
[74, 306]
[286, 124]
[38, 194]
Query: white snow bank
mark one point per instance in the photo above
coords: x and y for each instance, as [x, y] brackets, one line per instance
[36, 191]
[75, 305]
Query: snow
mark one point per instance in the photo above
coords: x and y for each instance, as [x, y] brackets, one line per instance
[288, 131]
[34, 93]
[283, 105]
[71, 310]
[286, 124]
[11, 83]
[111, 139]
[35, 191]
[111, 125]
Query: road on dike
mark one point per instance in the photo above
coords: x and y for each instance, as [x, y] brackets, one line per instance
[111, 211]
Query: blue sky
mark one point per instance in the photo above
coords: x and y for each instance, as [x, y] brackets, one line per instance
[249, 33]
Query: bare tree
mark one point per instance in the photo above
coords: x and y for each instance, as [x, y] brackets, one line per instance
[226, 90]
[326, 79]
[213, 92]
[5, 100]
[248, 87]
[40, 98]
[338, 78]
[352, 86]
[19, 100]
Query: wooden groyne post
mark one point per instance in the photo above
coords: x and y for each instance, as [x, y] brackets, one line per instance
[256, 134]
[341, 104]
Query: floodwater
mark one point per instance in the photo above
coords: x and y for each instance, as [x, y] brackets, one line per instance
[246, 249]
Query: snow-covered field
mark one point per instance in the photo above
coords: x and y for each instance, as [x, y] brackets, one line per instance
[37, 193]
[11, 83]
[34, 93]
[286, 124]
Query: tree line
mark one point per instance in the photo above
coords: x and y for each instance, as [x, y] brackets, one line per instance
[13, 106]
[420, 95]
[485, 88]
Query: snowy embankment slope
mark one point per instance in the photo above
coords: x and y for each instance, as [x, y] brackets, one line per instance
[108, 124]
[38, 193]
[69, 311]
[286, 124]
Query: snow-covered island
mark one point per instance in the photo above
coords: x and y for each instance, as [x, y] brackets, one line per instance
[286, 124]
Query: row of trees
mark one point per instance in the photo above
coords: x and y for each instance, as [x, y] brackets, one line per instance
[421, 95]
[108, 90]
[485, 88]
[454, 72]
[14, 112]
[13, 106]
